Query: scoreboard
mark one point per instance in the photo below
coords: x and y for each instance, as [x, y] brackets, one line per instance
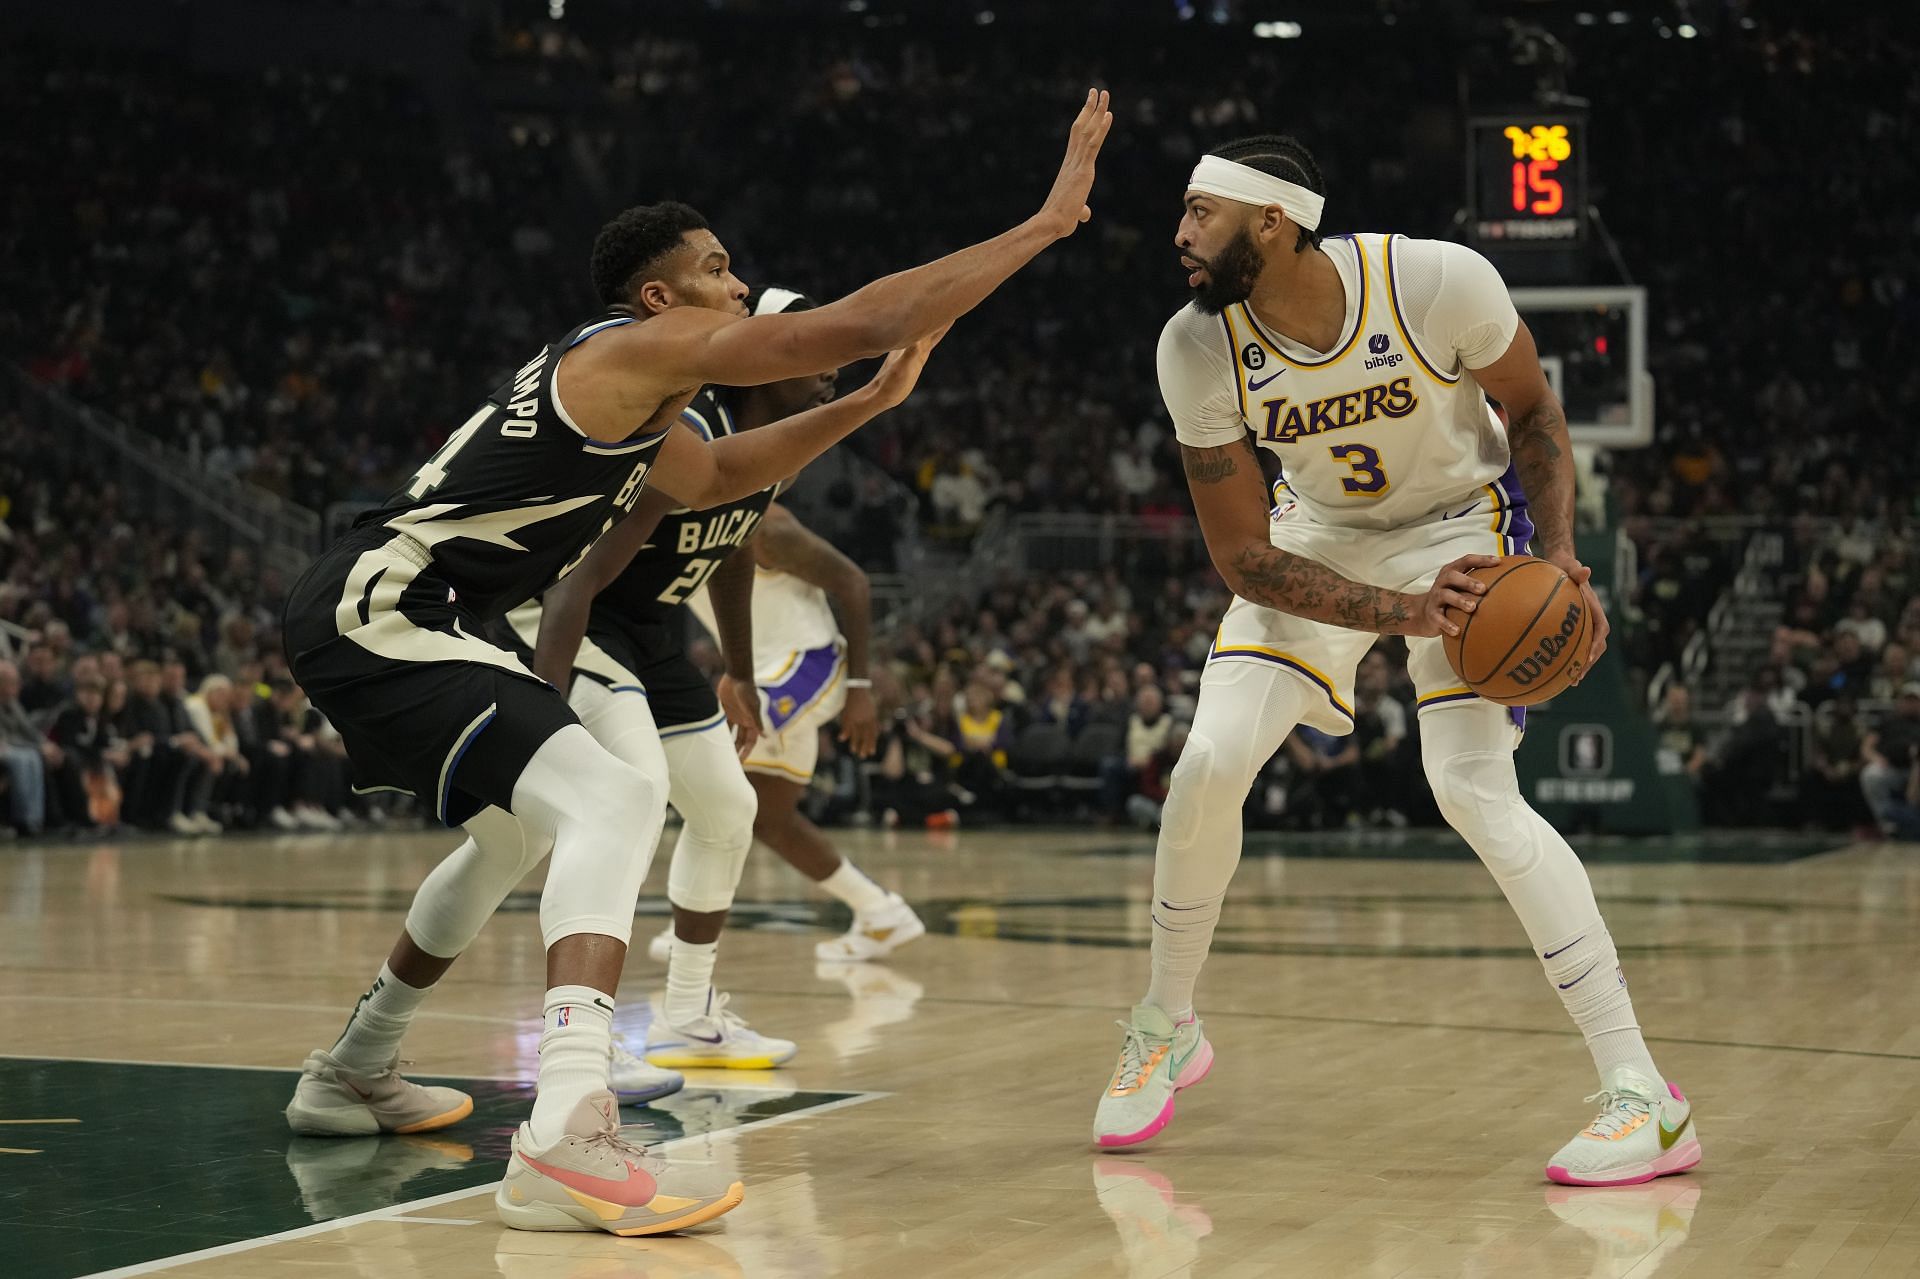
[1527, 180]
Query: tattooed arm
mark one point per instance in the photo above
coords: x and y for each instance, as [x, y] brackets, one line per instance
[1543, 461]
[1229, 496]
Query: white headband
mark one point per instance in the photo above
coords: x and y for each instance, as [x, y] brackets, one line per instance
[1235, 181]
[774, 300]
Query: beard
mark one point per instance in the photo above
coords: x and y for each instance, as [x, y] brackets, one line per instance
[1231, 274]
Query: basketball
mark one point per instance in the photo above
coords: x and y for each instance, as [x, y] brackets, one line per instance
[1528, 640]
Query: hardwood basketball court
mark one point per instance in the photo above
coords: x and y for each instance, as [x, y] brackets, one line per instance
[1392, 1071]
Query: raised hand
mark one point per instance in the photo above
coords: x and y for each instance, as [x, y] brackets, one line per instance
[1066, 205]
[901, 371]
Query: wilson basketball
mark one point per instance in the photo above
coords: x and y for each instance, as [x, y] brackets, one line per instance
[1527, 640]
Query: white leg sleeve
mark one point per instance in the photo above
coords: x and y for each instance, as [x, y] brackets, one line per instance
[711, 792]
[1468, 751]
[459, 895]
[1245, 712]
[1467, 748]
[604, 817]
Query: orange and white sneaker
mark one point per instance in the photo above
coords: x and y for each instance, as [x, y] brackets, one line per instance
[1157, 1060]
[875, 934]
[594, 1179]
[333, 1101]
[1644, 1130]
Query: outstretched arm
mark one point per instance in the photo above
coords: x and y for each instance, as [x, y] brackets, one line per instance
[785, 545]
[705, 474]
[1230, 497]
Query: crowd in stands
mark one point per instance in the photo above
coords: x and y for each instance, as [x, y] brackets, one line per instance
[302, 280]
[148, 690]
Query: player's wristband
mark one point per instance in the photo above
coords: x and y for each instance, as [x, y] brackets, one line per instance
[859, 683]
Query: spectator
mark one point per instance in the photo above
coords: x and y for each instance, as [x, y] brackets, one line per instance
[1888, 758]
[44, 686]
[1833, 791]
[211, 710]
[911, 783]
[1060, 705]
[1328, 775]
[1380, 731]
[27, 755]
[1682, 749]
[985, 731]
[87, 782]
[1745, 767]
[287, 782]
[1148, 728]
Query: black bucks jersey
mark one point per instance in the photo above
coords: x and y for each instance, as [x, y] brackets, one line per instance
[640, 618]
[384, 631]
[515, 496]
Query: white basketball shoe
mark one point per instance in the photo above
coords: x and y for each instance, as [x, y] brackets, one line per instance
[660, 948]
[717, 1038]
[1644, 1130]
[636, 1083]
[1157, 1060]
[875, 934]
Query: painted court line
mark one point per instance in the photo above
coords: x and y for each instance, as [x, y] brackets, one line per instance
[406, 1211]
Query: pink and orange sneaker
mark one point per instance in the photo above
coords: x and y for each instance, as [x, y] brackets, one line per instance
[594, 1179]
[1157, 1060]
[1644, 1130]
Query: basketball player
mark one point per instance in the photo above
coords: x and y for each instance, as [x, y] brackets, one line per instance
[1364, 364]
[381, 631]
[619, 622]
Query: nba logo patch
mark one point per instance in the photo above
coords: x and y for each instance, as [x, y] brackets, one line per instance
[564, 1016]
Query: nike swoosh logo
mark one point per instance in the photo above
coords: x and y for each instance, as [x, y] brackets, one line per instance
[1255, 386]
[705, 1039]
[357, 1090]
[601, 1003]
[1569, 985]
[1564, 949]
[1668, 1137]
[1179, 1064]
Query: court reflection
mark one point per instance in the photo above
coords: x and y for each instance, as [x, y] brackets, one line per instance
[521, 1255]
[881, 998]
[341, 1177]
[1159, 1236]
[1634, 1229]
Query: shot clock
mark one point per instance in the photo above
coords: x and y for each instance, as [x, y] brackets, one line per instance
[1526, 180]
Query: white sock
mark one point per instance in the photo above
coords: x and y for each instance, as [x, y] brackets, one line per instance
[1182, 935]
[1585, 971]
[689, 980]
[379, 1021]
[855, 889]
[576, 1047]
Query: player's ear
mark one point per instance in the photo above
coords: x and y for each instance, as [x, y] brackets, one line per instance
[656, 296]
[1272, 221]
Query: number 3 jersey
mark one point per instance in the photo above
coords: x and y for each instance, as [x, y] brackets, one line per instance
[1385, 429]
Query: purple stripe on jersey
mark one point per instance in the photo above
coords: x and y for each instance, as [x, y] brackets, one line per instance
[1519, 532]
[802, 684]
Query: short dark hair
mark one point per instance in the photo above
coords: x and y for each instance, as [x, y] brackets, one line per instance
[635, 241]
[1279, 157]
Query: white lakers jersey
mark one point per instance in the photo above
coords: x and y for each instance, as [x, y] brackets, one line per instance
[1385, 429]
[790, 617]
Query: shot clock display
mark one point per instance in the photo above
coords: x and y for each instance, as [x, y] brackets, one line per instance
[1526, 179]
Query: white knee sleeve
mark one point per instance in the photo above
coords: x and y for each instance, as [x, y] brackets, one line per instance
[1245, 712]
[1468, 753]
[459, 895]
[623, 723]
[711, 792]
[604, 817]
